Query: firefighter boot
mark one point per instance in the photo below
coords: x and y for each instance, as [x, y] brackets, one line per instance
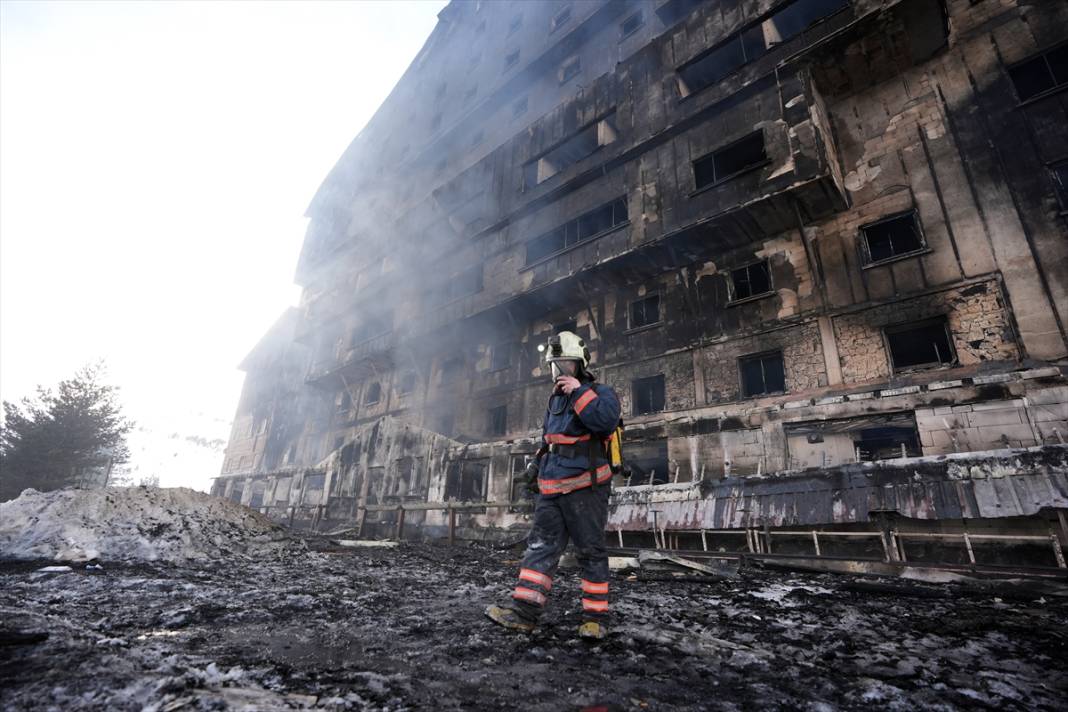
[509, 618]
[592, 630]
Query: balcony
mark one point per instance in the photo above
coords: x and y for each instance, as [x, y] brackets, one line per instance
[353, 363]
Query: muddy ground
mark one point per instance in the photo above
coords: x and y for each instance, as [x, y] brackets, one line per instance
[403, 629]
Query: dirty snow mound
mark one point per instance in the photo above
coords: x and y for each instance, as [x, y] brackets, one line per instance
[135, 524]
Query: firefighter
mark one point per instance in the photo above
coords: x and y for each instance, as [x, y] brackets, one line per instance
[573, 481]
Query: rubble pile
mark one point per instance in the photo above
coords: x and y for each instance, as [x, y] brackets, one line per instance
[135, 524]
[402, 628]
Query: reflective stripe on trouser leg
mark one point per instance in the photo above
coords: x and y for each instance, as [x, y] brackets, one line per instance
[547, 540]
[586, 513]
[594, 598]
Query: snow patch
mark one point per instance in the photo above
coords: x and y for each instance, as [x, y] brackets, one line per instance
[135, 524]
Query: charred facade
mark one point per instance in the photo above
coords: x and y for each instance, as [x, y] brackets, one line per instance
[804, 238]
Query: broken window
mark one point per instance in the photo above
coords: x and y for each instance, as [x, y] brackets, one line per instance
[796, 17]
[373, 394]
[631, 25]
[281, 490]
[313, 488]
[920, 344]
[236, 490]
[762, 374]
[648, 394]
[645, 312]
[560, 19]
[406, 384]
[344, 402]
[497, 423]
[877, 436]
[1041, 74]
[585, 227]
[511, 59]
[1059, 175]
[570, 69]
[450, 369]
[500, 356]
[753, 42]
[729, 161]
[648, 462]
[466, 481]
[519, 108]
[256, 500]
[886, 443]
[892, 237]
[750, 281]
[574, 149]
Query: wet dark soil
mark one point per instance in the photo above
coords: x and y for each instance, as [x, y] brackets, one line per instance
[403, 629]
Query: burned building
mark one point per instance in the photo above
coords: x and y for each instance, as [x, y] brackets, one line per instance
[819, 248]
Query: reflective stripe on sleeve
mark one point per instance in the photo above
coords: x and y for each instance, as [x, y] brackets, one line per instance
[594, 588]
[584, 400]
[528, 594]
[536, 577]
[588, 604]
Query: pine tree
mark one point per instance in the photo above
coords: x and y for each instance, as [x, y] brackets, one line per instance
[63, 438]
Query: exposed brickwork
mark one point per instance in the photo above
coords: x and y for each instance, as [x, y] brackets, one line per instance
[976, 317]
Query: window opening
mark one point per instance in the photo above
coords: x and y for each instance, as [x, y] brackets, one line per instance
[585, 227]
[258, 487]
[648, 462]
[750, 281]
[1041, 74]
[892, 237]
[762, 374]
[753, 42]
[729, 161]
[920, 344]
[631, 25]
[465, 481]
[570, 69]
[374, 394]
[648, 394]
[450, 369]
[644, 312]
[498, 420]
[500, 357]
[574, 149]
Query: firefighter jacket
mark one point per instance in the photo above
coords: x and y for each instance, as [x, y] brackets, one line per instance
[576, 427]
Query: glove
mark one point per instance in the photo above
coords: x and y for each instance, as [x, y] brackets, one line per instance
[531, 476]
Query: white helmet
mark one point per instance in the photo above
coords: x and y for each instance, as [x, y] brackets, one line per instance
[566, 346]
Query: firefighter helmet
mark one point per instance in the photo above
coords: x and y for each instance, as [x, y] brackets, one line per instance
[566, 346]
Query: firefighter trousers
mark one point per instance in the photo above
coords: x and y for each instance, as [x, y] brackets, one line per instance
[579, 517]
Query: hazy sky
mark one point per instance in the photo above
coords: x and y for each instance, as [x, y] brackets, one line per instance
[156, 160]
